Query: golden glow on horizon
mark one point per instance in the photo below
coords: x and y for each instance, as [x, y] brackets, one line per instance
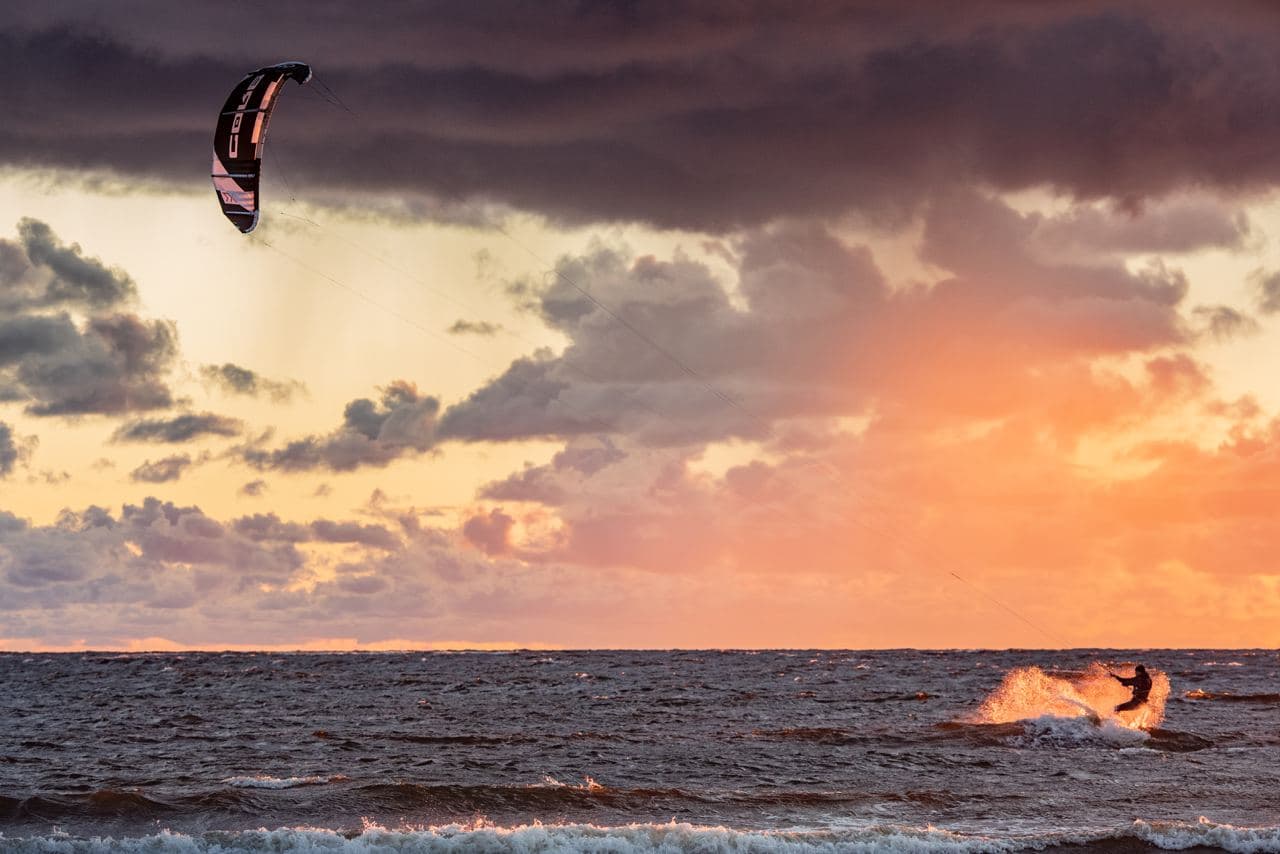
[158, 644]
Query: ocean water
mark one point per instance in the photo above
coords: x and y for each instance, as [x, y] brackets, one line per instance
[623, 751]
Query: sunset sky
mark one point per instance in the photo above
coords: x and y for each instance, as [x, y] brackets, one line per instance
[643, 325]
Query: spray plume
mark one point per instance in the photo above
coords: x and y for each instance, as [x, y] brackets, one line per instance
[1029, 692]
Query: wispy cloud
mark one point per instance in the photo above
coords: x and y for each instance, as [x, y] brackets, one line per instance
[233, 379]
[179, 428]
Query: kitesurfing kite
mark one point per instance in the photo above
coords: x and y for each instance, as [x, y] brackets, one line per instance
[238, 140]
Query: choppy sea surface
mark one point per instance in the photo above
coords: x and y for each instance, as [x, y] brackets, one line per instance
[623, 751]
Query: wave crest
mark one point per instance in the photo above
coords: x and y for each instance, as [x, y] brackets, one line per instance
[669, 838]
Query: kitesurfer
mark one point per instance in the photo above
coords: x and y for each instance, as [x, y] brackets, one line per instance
[1140, 682]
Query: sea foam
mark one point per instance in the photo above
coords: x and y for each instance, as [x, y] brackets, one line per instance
[669, 838]
[265, 782]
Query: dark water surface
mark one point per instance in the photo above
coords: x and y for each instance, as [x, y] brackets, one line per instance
[743, 751]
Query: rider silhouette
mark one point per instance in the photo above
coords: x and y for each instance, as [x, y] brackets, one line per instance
[1140, 682]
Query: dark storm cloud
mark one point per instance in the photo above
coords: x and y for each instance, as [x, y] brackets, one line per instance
[709, 115]
[180, 428]
[372, 433]
[234, 379]
[162, 470]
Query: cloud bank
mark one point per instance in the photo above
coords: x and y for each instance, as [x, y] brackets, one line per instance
[715, 118]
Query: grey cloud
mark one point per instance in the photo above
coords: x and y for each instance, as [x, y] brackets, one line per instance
[491, 534]
[269, 526]
[41, 557]
[1223, 323]
[195, 579]
[1001, 288]
[362, 585]
[8, 450]
[40, 272]
[372, 433]
[534, 483]
[162, 470]
[547, 484]
[1268, 291]
[113, 364]
[27, 336]
[171, 533]
[254, 488]
[10, 392]
[180, 428]
[982, 237]
[353, 532]
[76, 279]
[589, 457]
[525, 401]
[713, 118]
[474, 327]
[15, 270]
[233, 379]
[817, 333]
[1183, 226]
[128, 574]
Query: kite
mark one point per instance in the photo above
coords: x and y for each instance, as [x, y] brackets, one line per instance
[240, 135]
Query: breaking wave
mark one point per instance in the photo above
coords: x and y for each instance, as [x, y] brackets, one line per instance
[264, 782]
[659, 839]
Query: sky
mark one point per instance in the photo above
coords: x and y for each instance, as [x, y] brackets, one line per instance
[656, 325]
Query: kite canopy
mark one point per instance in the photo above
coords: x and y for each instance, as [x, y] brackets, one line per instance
[240, 135]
